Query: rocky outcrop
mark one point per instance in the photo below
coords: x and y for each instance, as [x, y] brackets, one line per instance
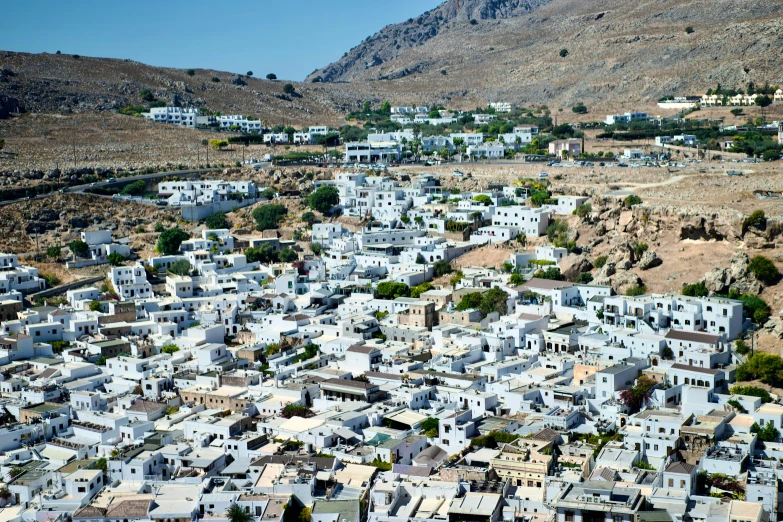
[572, 266]
[624, 281]
[649, 260]
[736, 276]
[9, 106]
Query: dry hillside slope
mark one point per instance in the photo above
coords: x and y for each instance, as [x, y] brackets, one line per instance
[634, 50]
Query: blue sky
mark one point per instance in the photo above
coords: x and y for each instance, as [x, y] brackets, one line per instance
[289, 38]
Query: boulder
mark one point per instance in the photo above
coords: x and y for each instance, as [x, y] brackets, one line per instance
[649, 260]
[572, 266]
[624, 280]
[625, 219]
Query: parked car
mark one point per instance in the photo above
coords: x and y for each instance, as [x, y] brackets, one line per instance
[111, 180]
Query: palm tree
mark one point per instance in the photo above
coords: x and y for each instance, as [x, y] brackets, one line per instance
[236, 514]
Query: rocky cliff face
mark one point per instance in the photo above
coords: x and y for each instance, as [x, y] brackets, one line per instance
[394, 40]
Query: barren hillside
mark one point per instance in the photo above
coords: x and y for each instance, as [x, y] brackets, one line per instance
[65, 84]
[619, 51]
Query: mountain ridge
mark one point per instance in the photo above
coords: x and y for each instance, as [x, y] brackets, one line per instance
[645, 48]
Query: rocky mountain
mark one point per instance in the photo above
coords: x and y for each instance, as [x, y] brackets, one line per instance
[615, 51]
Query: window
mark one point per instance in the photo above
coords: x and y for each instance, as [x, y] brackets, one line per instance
[569, 516]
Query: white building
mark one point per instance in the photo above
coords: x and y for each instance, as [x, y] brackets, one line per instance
[237, 120]
[130, 282]
[18, 278]
[173, 115]
[628, 117]
[185, 192]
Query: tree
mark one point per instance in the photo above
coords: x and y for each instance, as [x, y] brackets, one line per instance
[417, 290]
[146, 95]
[271, 76]
[308, 218]
[552, 273]
[442, 267]
[79, 248]
[264, 253]
[516, 279]
[137, 188]
[579, 108]
[218, 144]
[752, 391]
[268, 193]
[689, 29]
[764, 270]
[170, 349]
[770, 155]
[483, 199]
[115, 258]
[563, 53]
[392, 290]
[316, 248]
[736, 112]
[288, 88]
[635, 397]
[249, 73]
[170, 241]
[763, 101]
[217, 221]
[2, 144]
[766, 434]
[494, 300]
[632, 200]
[765, 367]
[470, 301]
[473, 21]
[236, 513]
[430, 427]
[95, 306]
[324, 199]
[295, 410]
[54, 252]
[287, 255]
[180, 268]
[191, 72]
[269, 216]
[102, 464]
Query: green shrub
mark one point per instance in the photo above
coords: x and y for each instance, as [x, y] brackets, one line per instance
[696, 290]
[764, 270]
[392, 290]
[636, 290]
[584, 278]
[442, 267]
[639, 249]
[756, 219]
[170, 349]
[752, 391]
[765, 367]
[583, 210]
[269, 216]
[600, 261]
[217, 221]
[632, 200]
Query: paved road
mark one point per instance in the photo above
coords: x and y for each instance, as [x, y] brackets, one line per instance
[145, 177]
